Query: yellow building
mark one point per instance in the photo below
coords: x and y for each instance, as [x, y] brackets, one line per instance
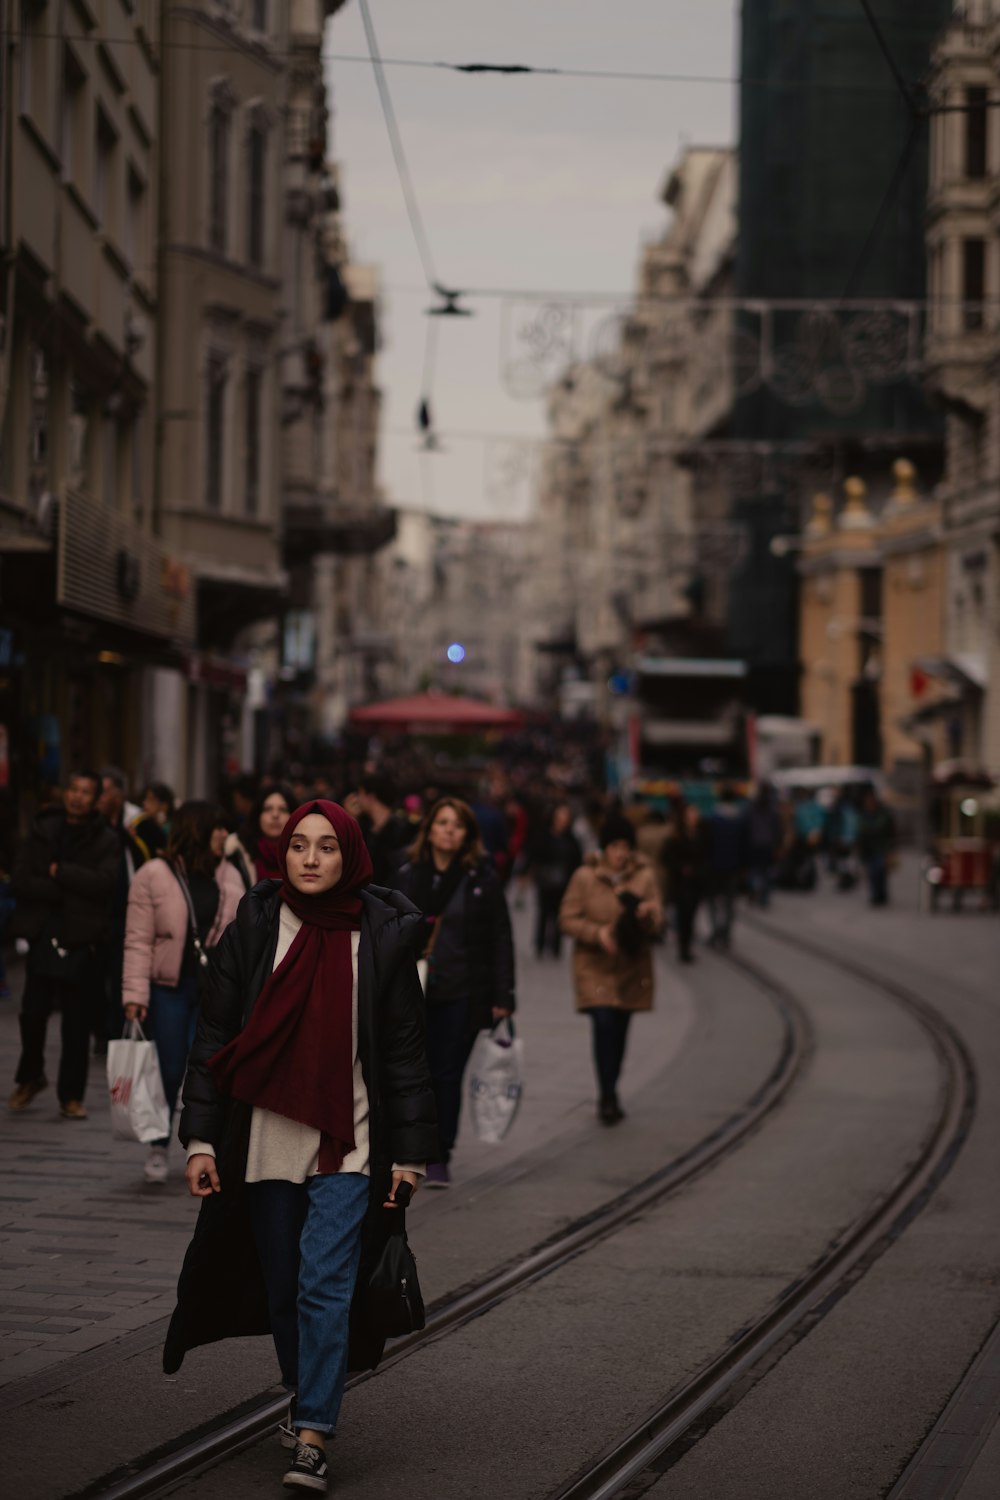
[872, 630]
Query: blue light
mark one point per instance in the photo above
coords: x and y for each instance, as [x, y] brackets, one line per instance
[456, 652]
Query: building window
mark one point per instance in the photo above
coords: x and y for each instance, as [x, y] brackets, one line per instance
[32, 58]
[135, 208]
[258, 15]
[71, 102]
[105, 152]
[256, 182]
[975, 132]
[252, 418]
[973, 283]
[219, 132]
[215, 431]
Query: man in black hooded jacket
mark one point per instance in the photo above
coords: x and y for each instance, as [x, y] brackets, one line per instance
[64, 879]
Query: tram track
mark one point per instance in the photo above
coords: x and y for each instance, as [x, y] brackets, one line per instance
[638, 1460]
[158, 1471]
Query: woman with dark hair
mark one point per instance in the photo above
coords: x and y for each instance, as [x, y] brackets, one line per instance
[152, 826]
[307, 1096]
[612, 911]
[253, 850]
[469, 952]
[178, 908]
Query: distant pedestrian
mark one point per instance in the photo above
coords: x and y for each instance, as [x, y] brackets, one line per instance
[728, 853]
[612, 911]
[876, 841]
[470, 953]
[764, 835]
[387, 833]
[685, 855]
[252, 849]
[152, 826]
[178, 908]
[64, 880]
[554, 855]
[651, 836]
[113, 804]
[307, 1103]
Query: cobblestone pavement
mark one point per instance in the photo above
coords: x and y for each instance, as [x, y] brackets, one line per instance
[90, 1253]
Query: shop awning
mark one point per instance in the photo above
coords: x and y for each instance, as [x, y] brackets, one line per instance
[434, 713]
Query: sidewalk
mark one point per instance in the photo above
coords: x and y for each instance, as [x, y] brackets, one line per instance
[89, 1253]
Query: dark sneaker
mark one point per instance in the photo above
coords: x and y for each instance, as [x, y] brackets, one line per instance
[309, 1470]
[437, 1176]
[24, 1093]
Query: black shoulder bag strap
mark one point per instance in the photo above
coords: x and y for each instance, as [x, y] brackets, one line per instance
[197, 943]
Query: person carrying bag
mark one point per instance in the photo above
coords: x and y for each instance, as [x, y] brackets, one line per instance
[178, 908]
[139, 1109]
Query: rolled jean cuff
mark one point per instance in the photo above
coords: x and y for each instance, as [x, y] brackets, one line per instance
[324, 1427]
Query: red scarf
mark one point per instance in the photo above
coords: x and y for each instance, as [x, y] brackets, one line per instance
[295, 1056]
[267, 860]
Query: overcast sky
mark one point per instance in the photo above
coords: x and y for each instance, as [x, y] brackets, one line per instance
[523, 183]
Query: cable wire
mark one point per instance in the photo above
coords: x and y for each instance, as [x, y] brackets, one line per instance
[904, 88]
[399, 154]
[888, 199]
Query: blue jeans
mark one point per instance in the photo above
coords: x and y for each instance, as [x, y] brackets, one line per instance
[173, 1020]
[308, 1238]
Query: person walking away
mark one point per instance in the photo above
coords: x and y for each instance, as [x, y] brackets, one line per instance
[764, 841]
[252, 850]
[152, 826]
[555, 854]
[307, 1103]
[178, 908]
[651, 838]
[728, 854]
[64, 880]
[842, 838]
[115, 808]
[387, 835]
[686, 857]
[470, 953]
[612, 910]
[876, 839]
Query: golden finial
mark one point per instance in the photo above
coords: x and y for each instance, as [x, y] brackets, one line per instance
[855, 513]
[821, 520]
[904, 474]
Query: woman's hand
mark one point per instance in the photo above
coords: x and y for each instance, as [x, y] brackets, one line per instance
[202, 1177]
[397, 1178]
[606, 938]
[136, 1012]
[645, 910]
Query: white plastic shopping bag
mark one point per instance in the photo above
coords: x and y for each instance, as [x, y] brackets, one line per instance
[138, 1104]
[496, 1081]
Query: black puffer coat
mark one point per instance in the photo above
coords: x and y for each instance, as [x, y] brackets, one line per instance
[488, 939]
[221, 1290]
[78, 902]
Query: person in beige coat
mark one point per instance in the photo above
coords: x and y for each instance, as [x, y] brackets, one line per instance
[612, 910]
[165, 950]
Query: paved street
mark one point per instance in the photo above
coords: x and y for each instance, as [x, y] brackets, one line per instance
[90, 1253]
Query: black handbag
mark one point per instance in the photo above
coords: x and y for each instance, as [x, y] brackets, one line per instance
[394, 1304]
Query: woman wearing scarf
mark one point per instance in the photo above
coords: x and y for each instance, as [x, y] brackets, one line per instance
[470, 952]
[307, 1102]
[253, 849]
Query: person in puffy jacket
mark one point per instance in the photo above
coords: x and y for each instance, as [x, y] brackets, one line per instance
[178, 908]
[307, 1104]
[470, 951]
[612, 911]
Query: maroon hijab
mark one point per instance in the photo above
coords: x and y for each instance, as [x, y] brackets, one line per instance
[295, 1056]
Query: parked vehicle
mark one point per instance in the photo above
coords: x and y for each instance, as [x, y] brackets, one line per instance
[965, 852]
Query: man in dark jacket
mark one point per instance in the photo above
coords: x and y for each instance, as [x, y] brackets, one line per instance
[387, 835]
[64, 879]
[728, 852]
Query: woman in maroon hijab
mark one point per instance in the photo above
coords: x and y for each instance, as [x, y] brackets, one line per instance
[314, 998]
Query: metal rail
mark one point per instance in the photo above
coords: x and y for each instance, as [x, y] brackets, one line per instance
[158, 1470]
[810, 1297]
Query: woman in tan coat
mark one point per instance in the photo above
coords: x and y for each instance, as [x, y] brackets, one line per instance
[612, 909]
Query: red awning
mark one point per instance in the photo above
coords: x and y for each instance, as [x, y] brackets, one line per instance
[434, 713]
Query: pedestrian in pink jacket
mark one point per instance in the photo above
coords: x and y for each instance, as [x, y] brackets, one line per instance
[178, 908]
